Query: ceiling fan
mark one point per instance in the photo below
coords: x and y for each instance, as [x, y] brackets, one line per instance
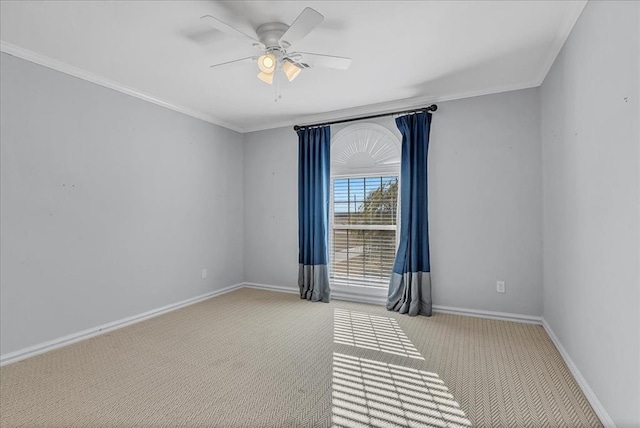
[274, 40]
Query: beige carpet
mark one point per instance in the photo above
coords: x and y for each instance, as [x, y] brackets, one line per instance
[255, 358]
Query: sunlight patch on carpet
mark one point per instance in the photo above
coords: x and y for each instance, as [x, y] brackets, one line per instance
[372, 332]
[372, 393]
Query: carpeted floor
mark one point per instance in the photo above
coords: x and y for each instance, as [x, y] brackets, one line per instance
[255, 358]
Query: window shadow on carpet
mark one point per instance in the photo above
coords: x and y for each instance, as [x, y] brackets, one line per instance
[373, 393]
[372, 332]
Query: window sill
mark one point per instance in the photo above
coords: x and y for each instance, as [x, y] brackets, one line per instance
[359, 293]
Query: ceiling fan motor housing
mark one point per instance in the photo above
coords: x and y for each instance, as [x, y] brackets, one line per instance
[270, 34]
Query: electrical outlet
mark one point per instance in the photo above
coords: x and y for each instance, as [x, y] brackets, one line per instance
[204, 273]
[501, 287]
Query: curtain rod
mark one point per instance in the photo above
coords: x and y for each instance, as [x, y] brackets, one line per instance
[432, 107]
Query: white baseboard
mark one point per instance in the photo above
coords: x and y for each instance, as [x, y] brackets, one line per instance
[343, 293]
[270, 287]
[336, 293]
[582, 382]
[50, 345]
[503, 316]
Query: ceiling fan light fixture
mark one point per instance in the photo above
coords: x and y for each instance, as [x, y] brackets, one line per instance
[274, 40]
[290, 70]
[267, 63]
[266, 77]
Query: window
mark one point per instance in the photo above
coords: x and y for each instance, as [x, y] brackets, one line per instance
[365, 163]
[363, 235]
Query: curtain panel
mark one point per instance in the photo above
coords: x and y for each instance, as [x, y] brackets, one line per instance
[313, 213]
[410, 284]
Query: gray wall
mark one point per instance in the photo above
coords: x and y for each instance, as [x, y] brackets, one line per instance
[591, 172]
[110, 207]
[485, 204]
[271, 207]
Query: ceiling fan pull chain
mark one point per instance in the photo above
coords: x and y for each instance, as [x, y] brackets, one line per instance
[276, 84]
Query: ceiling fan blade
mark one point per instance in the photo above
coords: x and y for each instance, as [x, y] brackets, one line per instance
[253, 58]
[304, 23]
[318, 60]
[228, 29]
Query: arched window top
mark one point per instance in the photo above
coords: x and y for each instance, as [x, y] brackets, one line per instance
[365, 148]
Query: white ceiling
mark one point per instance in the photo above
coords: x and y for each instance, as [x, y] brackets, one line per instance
[404, 54]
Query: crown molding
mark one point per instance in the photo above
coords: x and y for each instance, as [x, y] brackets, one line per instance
[391, 106]
[379, 108]
[561, 37]
[62, 67]
[558, 42]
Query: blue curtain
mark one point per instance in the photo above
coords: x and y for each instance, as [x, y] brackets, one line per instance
[410, 284]
[313, 213]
